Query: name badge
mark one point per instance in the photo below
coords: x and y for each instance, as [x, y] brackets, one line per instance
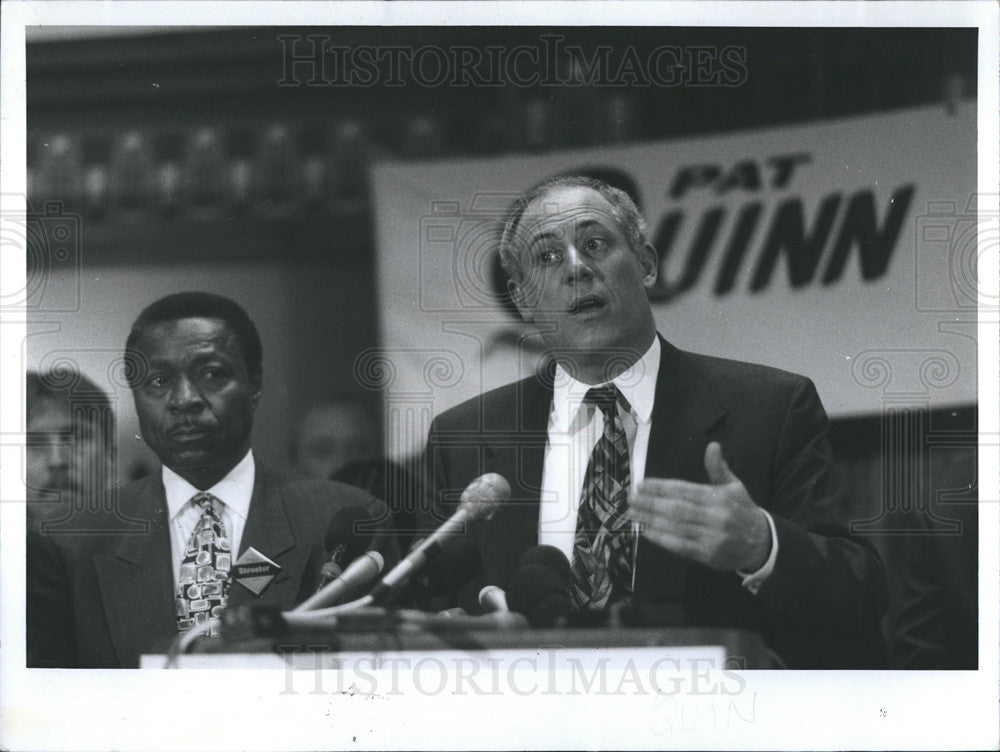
[254, 571]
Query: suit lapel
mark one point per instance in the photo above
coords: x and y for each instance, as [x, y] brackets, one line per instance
[269, 532]
[683, 412]
[136, 581]
[517, 453]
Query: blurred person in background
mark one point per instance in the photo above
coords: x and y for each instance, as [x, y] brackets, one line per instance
[331, 435]
[70, 448]
[399, 484]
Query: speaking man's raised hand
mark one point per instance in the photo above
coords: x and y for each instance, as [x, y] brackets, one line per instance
[716, 524]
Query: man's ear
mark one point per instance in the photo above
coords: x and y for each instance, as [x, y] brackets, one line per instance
[258, 387]
[650, 265]
[518, 299]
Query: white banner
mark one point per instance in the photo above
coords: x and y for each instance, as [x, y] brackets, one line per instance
[843, 250]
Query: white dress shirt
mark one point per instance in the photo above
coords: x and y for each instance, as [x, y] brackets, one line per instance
[234, 491]
[573, 431]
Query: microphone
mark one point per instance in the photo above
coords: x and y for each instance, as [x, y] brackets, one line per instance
[540, 587]
[480, 500]
[343, 543]
[493, 600]
[328, 573]
[359, 573]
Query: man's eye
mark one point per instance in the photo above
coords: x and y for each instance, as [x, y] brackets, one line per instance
[213, 375]
[548, 257]
[596, 245]
[157, 381]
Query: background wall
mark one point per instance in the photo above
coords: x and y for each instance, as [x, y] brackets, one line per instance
[233, 160]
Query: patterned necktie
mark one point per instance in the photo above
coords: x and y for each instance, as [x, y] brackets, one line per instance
[203, 582]
[604, 544]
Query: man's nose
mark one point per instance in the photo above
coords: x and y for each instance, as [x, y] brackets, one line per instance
[185, 396]
[577, 265]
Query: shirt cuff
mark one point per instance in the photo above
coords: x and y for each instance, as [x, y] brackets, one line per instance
[754, 580]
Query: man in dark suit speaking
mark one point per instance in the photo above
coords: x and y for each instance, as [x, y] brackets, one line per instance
[703, 486]
[210, 530]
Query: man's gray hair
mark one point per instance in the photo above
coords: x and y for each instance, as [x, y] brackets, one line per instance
[627, 213]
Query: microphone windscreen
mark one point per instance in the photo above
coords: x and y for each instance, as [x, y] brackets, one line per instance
[493, 599]
[483, 496]
[540, 587]
[456, 564]
[550, 557]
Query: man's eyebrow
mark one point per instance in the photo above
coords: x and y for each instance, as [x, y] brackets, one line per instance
[156, 360]
[585, 224]
[588, 223]
[209, 355]
[543, 236]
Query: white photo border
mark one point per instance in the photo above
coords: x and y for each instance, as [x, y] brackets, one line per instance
[98, 710]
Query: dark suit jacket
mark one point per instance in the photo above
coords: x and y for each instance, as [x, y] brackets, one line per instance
[937, 624]
[822, 603]
[102, 599]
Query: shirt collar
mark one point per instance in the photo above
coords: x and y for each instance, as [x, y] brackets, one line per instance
[234, 490]
[637, 383]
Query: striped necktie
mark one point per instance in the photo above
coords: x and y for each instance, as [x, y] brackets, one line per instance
[604, 544]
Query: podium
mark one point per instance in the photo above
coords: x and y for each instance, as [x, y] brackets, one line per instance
[646, 648]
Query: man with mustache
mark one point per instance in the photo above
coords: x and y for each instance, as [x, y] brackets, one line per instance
[188, 532]
[70, 449]
[701, 487]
